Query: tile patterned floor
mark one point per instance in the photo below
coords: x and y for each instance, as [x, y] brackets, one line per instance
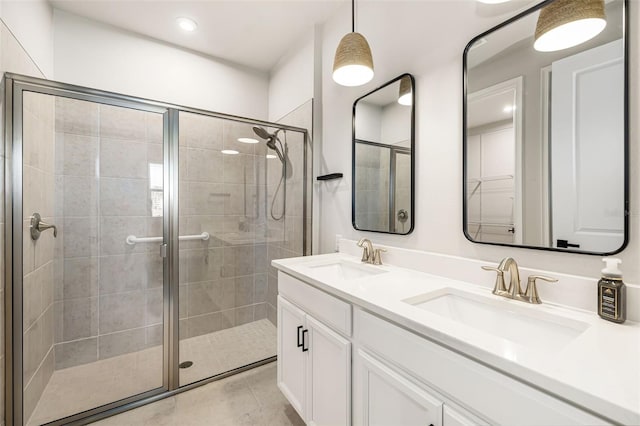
[249, 398]
[76, 389]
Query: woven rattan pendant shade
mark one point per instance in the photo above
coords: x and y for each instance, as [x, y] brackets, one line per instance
[353, 63]
[567, 23]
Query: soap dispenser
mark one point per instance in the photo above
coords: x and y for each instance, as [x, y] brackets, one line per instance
[612, 292]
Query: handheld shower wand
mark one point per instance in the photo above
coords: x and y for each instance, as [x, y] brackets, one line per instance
[282, 152]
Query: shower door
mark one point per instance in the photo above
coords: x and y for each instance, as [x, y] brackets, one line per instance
[223, 279]
[139, 237]
[88, 184]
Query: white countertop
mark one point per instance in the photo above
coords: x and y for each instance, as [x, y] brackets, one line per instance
[599, 370]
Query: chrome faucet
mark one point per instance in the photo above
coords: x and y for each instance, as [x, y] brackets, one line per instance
[369, 254]
[514, 291]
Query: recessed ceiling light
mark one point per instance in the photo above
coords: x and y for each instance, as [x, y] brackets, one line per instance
[247, 140]
[187, 24]
[229, 151]
[271, 156]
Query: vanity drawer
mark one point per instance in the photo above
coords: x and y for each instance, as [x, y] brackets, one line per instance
[487, 392]
[324, 307]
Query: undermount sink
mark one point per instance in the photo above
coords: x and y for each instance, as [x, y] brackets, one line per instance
[341, 270]
[523, 325]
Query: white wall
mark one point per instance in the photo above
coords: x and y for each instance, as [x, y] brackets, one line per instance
[410, 37]
[396, 124]
[369, 122]
[14, 58]
[291, 80]
[92, 54]
[31, 23]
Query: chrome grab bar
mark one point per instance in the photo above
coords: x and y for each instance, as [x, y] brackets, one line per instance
[132, 240]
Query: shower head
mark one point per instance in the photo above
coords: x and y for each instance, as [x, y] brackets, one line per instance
[271, 143]
[260, 131]
[270, 138]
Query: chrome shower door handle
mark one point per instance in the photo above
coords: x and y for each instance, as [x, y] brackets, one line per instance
[38, 227]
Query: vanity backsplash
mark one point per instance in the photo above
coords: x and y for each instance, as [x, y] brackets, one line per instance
[571, 290]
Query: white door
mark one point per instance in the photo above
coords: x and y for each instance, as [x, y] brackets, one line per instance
[495, 164]
[329, 376]
[497, 188]
[291, 358]
[587, 149]
[385, 398]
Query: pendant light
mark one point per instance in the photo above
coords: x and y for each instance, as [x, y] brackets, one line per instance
[405, 93]
[567, 23]
[353, 63]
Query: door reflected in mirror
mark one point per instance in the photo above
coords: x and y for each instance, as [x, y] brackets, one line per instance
[383, 142]
[545, 139]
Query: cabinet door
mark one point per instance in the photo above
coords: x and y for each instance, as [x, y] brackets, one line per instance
[291, 358]
[385, 398]
[457, 417]
[329, 375]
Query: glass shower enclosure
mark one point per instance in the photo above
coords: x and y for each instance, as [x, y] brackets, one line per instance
[139, 237]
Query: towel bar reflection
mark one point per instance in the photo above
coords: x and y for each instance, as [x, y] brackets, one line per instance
[132, 240]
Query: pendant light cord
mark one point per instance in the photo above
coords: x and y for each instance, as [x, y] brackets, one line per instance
[353, 16]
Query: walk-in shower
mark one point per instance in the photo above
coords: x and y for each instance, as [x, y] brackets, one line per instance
[139, 237]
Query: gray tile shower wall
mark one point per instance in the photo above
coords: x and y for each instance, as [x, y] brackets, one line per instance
[13, 58]
[223, 280]
[287, 234]
[38, 262]
[108, 294]
[372, 198]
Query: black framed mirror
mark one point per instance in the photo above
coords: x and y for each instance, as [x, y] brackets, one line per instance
[545, 163]
[383, 161]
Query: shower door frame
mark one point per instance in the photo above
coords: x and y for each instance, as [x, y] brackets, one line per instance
[14, 86]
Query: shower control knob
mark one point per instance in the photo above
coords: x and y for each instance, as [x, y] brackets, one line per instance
[38, 227]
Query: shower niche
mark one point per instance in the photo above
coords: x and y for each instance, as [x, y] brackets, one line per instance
[166, 221]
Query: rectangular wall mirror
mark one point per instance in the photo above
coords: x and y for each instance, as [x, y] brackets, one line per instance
[545, 135]
[383, 161]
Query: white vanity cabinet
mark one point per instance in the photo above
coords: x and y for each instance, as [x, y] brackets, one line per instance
[400, 378]
[457, 417]
[493, 396]
[291, 358]
[314, 360]
[383, 397]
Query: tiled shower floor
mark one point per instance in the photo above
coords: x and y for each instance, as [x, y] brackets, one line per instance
[87, 386]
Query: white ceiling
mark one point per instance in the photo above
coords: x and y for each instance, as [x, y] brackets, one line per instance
[489, 109]
[384, 97]
[254, 33]
[257, 33]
